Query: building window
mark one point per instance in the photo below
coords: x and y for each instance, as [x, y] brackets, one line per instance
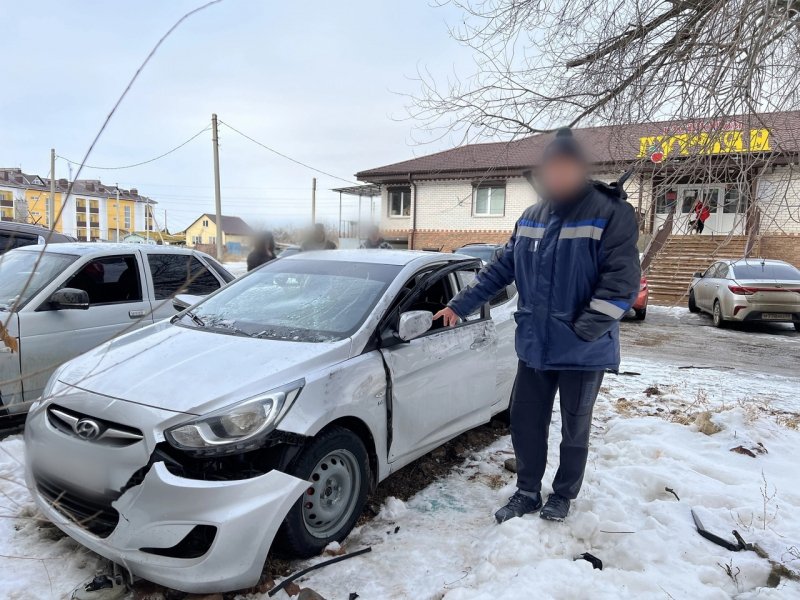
[197, 240]
[490, 201]
[205, 222]
[666, 201]
[6, 206]
[127, 219]
[400, 202]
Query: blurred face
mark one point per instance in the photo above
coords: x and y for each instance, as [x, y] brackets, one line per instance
[562, 177]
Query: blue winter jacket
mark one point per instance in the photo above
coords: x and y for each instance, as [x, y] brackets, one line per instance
[577, 272]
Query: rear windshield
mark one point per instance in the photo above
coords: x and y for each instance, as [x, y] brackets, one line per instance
[766, 271]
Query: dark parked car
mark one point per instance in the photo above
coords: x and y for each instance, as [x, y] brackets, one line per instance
[14, 235]
[486, 252]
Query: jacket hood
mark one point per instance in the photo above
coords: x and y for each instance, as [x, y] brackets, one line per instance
[194, 370]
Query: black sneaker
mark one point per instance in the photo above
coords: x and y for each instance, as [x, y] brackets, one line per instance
[519, 504]
[556, 508]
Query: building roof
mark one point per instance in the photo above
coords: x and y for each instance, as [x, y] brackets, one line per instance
[611, 144]
[15, 177]
[230, 225]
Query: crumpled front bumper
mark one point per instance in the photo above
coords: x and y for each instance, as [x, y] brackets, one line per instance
[163, 509]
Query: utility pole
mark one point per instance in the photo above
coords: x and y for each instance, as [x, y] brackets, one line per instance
[117, 186]
[217, 198]
[313, 200]
[165, 221]
[52, 201]
[147, 214]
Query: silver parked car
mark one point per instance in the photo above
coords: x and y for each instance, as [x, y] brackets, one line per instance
[270, 408]
[61, 300]
[748, 290]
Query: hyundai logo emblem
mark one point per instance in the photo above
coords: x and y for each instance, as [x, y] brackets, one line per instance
[87, 429]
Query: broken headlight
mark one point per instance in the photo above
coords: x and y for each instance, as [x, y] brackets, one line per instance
[236, 428]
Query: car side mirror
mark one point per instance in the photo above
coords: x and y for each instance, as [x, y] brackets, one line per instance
[699, 275]
[413, 324]
[70, 299]
[183, 301]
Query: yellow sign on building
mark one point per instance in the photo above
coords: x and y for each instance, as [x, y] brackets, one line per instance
[731, 141]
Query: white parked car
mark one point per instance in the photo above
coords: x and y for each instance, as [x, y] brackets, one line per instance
[59, 301]
[271, 408]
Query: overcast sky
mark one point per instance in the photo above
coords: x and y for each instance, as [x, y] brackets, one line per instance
[320, 81]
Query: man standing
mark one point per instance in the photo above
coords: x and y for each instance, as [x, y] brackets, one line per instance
[574, 259]
[317, 239]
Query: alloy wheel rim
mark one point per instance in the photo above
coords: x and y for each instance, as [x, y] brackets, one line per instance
[717, 313]
[331, 498]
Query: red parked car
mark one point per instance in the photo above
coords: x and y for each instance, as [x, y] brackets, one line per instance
[640, 305]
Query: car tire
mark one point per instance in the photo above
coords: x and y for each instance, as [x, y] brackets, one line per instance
[692, 303]
[336, 465]
[716, 315]
[797, 325]
[641, 313]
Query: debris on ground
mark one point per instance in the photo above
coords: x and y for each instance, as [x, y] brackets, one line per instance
[591, 559]
[309, 594]
[751, 450]
[510, 464]
[653, 391]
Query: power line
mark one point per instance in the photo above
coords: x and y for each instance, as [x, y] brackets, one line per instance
[281, 154]
[144, 162]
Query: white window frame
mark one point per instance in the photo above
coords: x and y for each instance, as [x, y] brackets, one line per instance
[489, 187]
[127, 217]
[403, 200]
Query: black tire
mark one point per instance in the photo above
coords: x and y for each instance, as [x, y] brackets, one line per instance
[797, 325]
[302, 538]
[692, 304]
[641, 313]
[716, 315]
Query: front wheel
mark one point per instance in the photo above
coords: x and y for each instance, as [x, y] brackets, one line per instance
[797, 325]
[336, 466]
[692, 303]
[719, 321]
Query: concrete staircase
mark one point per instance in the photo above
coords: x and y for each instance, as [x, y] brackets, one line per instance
[671, 271]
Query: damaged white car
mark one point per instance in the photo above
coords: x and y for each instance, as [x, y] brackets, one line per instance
[266, 412]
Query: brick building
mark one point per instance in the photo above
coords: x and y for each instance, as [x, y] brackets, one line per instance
[745, 170]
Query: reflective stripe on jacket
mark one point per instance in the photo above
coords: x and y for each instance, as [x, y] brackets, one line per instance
[577, 272]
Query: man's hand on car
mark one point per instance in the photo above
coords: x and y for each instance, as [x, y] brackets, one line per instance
[448, 316]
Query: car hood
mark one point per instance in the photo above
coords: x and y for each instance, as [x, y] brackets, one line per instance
[195, 371]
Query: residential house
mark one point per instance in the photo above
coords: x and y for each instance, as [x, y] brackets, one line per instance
[235, 233]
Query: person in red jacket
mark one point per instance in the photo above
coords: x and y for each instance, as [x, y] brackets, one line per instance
[701, 214]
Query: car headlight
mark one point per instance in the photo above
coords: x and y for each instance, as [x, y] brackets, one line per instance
[236, 428]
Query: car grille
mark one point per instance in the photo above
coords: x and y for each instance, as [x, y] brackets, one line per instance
[93, 513]
[107, 433]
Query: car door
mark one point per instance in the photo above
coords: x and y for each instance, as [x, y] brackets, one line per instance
[170, 274]
[50, 336]
[702, 290]
[443, 382]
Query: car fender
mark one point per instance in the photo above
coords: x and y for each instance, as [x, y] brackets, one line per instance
[355, 389]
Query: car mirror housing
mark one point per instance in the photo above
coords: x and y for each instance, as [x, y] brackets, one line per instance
[413, 324]
[698, 274]
[70, 298]
[183, 301]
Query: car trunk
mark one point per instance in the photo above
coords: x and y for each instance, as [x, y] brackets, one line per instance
[785, 293]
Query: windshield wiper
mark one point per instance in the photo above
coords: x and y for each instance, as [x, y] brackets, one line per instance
[195, 319]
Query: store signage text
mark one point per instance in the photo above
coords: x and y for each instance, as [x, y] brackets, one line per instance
[693, 143]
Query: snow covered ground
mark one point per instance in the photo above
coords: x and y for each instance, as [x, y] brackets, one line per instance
[656, 426]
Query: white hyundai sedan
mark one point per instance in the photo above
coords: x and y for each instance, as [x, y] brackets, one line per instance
[267, 411]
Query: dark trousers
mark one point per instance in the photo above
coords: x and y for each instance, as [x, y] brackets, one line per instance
[531, 410]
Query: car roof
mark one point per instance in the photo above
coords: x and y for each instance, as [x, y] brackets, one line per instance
[84, 248]
[481, 244]
[31, 229]
[755, 261]
[385, 257]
